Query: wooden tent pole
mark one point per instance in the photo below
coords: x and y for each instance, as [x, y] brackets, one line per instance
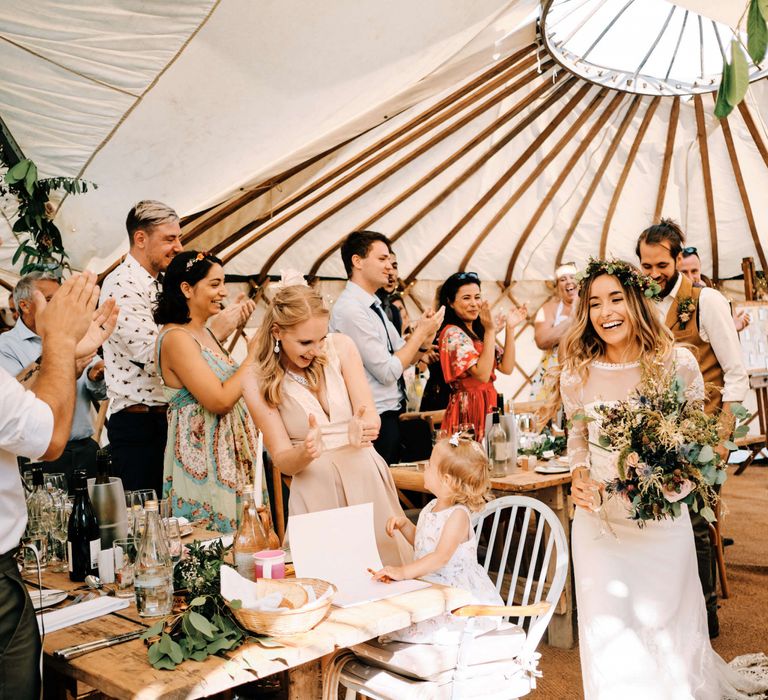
[625, 173]
[631, 111]
[746, 115]
[505, 177]
[534, 95]
[423, 127]
[737, 174]
[387, 139]
[562, 143]
[583, 144]
[674, 115]
[701, 135]
[748, 269]
[385, 174]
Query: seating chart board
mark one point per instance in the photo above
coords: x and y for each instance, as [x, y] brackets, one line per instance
[754, 338]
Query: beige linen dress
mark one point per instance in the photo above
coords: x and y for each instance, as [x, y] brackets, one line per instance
[342, 475]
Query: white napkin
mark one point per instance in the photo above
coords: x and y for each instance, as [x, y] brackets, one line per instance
[237, 587]
[75, 614]
[183, 522]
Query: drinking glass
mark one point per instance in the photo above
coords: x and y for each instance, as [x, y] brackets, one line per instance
[165, 507]
[173, 535]
[56, 483]
[59, 525]
[35, 541]
[146, 495]
[124, 552]
[465, 423]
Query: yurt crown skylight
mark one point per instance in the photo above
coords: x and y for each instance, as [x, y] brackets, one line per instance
[649, 47]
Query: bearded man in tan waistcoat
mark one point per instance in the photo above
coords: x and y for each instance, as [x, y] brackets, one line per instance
[700, 318]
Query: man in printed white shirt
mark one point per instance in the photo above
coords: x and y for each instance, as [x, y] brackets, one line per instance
[36, 423]
[138, 426]
[701, 318]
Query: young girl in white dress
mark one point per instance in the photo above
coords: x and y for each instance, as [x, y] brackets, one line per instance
[642, 621]
[445, 548]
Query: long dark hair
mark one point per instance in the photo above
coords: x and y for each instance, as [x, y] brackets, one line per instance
[190, 267]
[446, 295]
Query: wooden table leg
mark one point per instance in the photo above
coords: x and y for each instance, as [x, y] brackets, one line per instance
[561, 632]
[305, 682]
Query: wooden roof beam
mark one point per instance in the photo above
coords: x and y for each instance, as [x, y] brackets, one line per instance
[701, 135]
[669, 148]
[618, 136]
[554, 189]
[625, 173]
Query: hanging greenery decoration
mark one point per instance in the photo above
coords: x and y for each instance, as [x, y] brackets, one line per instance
[735, 79]
[40, 245]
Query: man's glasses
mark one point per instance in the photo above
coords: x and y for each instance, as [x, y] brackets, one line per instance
[690, 250]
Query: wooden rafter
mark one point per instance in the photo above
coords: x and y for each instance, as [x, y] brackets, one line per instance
[386, 140]
[631, 111]
[701, 135]
[408, 158]
[423, 127]
[505, 177]
[543, 163]
[674, 115]
[625, 173]
[491, 129]
[746, 115]
[583, 144]
[737, 174]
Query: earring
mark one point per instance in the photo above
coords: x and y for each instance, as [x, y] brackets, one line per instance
[276, 349]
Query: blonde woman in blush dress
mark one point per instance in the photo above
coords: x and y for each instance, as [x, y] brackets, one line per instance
[309, 396]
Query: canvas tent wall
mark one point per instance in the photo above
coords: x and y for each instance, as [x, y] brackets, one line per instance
[277, 127]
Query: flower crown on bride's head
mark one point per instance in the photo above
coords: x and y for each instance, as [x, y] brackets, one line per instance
[627, 274]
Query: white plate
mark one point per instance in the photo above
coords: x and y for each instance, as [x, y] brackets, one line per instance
[552, 468]
[46, 598]
[187, 530]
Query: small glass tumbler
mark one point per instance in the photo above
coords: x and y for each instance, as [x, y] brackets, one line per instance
[124, 553]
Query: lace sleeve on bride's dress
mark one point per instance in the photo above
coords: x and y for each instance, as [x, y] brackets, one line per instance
[688, 370]
[578, 442]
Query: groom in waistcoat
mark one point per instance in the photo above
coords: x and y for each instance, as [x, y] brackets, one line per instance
[699, 317]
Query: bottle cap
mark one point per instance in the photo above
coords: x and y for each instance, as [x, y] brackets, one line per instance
[150, 505]
[37, 476]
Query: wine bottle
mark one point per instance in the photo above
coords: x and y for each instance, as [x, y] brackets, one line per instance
[500, 404]
[498, 447]
[103, 466]
[83, 534]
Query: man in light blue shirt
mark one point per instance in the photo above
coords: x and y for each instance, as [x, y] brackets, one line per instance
[358, 314]
[20, 350]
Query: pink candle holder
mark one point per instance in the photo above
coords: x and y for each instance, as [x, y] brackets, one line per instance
[270, 563]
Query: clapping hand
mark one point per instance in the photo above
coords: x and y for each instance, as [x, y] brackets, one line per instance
[72, 313]
[516, 314]
[313, 443]
[232, 317]
[362, 433]
[486, 318]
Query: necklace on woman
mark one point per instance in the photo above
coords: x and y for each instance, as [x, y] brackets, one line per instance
[297, 378]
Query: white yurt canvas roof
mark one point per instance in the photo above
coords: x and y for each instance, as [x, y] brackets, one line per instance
[275, 128]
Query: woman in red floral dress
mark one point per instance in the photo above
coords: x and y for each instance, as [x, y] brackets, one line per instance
[469, 354]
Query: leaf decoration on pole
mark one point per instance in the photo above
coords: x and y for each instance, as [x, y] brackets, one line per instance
[735, 79]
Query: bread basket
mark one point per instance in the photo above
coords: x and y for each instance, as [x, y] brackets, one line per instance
[279, 623]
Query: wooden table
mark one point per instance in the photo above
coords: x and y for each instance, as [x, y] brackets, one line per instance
[551, 489]
[123, 671]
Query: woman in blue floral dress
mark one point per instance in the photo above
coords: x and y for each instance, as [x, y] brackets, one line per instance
[211, 445]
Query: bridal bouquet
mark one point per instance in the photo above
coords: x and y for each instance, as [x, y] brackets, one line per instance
[666, 448]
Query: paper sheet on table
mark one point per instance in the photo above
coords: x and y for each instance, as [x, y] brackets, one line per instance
[75, 614]
[339, 546]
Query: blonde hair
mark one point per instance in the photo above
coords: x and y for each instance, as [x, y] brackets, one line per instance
[581, 344]
[465, 464]
[289, 307]
[147, 214]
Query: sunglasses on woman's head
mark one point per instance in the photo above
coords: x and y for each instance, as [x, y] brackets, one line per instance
[461, 276]
[690, 250]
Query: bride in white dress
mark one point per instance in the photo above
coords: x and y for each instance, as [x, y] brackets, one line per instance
[642, 621]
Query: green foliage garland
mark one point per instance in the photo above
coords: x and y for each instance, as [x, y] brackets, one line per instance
[38, 237]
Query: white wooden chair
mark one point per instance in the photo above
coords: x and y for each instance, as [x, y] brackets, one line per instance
[527, 558]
